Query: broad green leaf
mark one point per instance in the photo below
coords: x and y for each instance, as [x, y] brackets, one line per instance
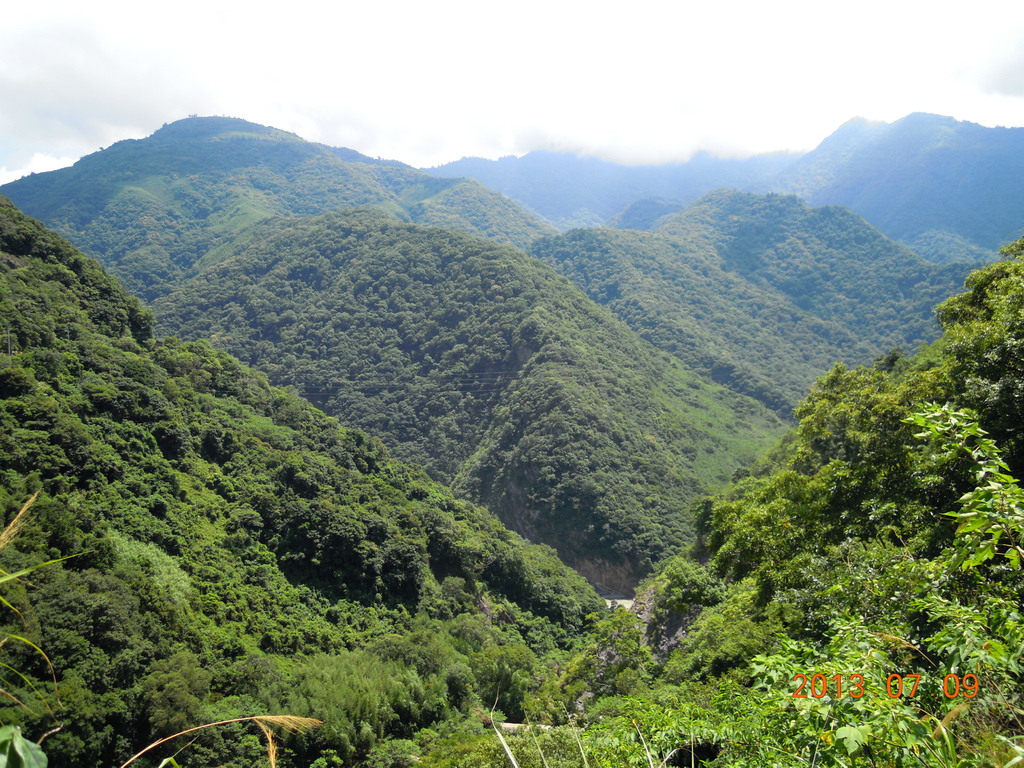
[852, 737]
[18, 752]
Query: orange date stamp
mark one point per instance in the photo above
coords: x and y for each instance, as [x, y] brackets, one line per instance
[818, 686]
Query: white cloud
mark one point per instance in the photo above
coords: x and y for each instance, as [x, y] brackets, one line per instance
[429, 82]
[69, 89]
[38, 163]
[1004, 75]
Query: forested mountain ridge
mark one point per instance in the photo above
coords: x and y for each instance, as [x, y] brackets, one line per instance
[946, 188]
[760, 293]
[434, 354]
[149, 209]
[573, 192]
[485, 366]
[236, 551]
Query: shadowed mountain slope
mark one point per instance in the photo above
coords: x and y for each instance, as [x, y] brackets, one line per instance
[949, 189]
[946, 188]
[572, 191]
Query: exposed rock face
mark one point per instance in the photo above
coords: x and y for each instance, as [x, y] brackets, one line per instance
[612, 580]
[664, 629]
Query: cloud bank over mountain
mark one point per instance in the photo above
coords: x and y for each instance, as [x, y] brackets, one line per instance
[427, 85]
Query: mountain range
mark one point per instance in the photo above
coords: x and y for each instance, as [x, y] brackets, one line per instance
[760, 293]
[261, 487]
[946, 188]
[152, 208]
[588, 428]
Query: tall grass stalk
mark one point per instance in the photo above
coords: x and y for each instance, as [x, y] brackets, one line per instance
[6, 537]
[539, 750]
[508, 749]
[583, 754]
[8, 534]
[289, 723]
[647, 751]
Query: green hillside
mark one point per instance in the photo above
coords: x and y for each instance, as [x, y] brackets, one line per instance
[149, 209]
[760, 293]
[237, 552]
[487, 368]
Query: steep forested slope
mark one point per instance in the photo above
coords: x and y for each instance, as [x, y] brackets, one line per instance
[150, 209]
[761, 293]
[238, 552]
[488, 368]
[891, 531]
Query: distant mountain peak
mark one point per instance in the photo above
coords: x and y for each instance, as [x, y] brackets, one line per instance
[200, 127]
[216, 176]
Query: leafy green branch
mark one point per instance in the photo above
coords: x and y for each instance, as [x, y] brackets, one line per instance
[991, 518]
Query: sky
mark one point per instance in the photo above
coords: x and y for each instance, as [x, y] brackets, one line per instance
[430, 82]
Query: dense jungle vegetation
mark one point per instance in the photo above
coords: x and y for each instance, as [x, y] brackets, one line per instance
[239, 553]
[236, 551]
[487, 368]
[852, 598]
[854, 601]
